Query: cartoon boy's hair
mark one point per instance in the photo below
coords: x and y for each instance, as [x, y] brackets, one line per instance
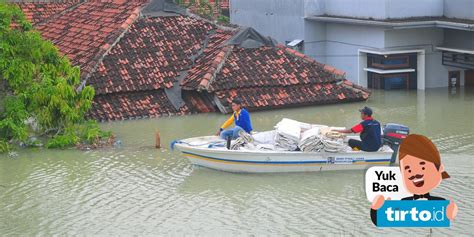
[421, 147]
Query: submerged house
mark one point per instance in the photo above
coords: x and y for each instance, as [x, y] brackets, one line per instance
[381, 44]
[151, 59]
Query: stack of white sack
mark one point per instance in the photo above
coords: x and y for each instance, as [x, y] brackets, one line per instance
[265, 140]
[311, 141]
[321, 138]
[303, 126]
[288, 134]
[244, 140]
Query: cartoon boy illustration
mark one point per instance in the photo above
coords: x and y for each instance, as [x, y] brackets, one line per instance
[422, 171]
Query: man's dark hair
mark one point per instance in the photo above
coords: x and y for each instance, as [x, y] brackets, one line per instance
[366, 110]
[236, 101]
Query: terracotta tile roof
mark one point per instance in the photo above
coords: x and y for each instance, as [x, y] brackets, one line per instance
[39, 12]
[137, 65]
[233, 67]
[151, 54]
[132, 105]
[259, 73]
[268, 67]
[87, 32]
[206, 65]
[257, 98]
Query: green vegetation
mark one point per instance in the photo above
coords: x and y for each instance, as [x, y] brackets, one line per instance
[186, 3]
[39, 90]
[223, 19]
[205, 9]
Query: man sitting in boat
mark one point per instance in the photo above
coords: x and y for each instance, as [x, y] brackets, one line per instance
[370, 132]
[241, 117]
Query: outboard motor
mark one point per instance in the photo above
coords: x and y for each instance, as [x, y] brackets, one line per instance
[393, 135]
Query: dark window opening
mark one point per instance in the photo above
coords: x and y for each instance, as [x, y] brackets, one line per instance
[392, 81]
[394, 61]
[464, 61]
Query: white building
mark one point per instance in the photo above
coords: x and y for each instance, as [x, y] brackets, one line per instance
[379, 43]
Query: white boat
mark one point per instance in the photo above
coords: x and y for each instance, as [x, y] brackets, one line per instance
[210, 152]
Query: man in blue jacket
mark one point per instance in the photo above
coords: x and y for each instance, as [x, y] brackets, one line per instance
[241, 117]
[370, 132]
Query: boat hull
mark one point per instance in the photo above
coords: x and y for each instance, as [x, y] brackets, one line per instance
[245, 161]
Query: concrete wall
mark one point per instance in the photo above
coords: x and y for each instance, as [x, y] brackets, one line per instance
[459, 39]
[414, 37]
[315, 40]
[284, 19]
[281, 19]
[427, 38]
[356, 8]
[314, 7]
[459, 9]
[343, 43]
[411, 8]
[382, 9]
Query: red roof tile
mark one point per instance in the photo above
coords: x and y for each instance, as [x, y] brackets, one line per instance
[151, 54]
[267, 66]
[83, 33]
[130, 105]
[256, 74]
[257, 98]
[205, 66]
[133, 79]
[39, 12]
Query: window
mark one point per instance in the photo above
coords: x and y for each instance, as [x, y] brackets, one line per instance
[392, 81]
[388, 61]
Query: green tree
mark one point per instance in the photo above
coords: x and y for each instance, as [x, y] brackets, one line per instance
[39, 93]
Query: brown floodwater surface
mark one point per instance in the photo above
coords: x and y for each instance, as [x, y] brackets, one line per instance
[139, 190]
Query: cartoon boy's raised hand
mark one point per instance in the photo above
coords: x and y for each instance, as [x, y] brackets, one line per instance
[451, 210]
[378, 201]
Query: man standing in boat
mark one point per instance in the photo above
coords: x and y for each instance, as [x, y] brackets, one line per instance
[370, 132]
[241, 117]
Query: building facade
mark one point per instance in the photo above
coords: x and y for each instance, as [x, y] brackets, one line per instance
[386, 44]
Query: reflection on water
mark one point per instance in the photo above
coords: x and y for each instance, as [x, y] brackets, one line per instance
[137, 190]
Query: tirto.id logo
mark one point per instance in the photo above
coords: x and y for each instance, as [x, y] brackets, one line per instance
[413, 214]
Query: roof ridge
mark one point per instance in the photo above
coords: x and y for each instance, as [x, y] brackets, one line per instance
[338, 73]
[298, 54]
[109, 44]
[215, 68]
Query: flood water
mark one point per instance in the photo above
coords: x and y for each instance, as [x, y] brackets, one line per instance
[139, 190]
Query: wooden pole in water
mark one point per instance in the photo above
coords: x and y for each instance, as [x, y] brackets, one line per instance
[157, 139]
